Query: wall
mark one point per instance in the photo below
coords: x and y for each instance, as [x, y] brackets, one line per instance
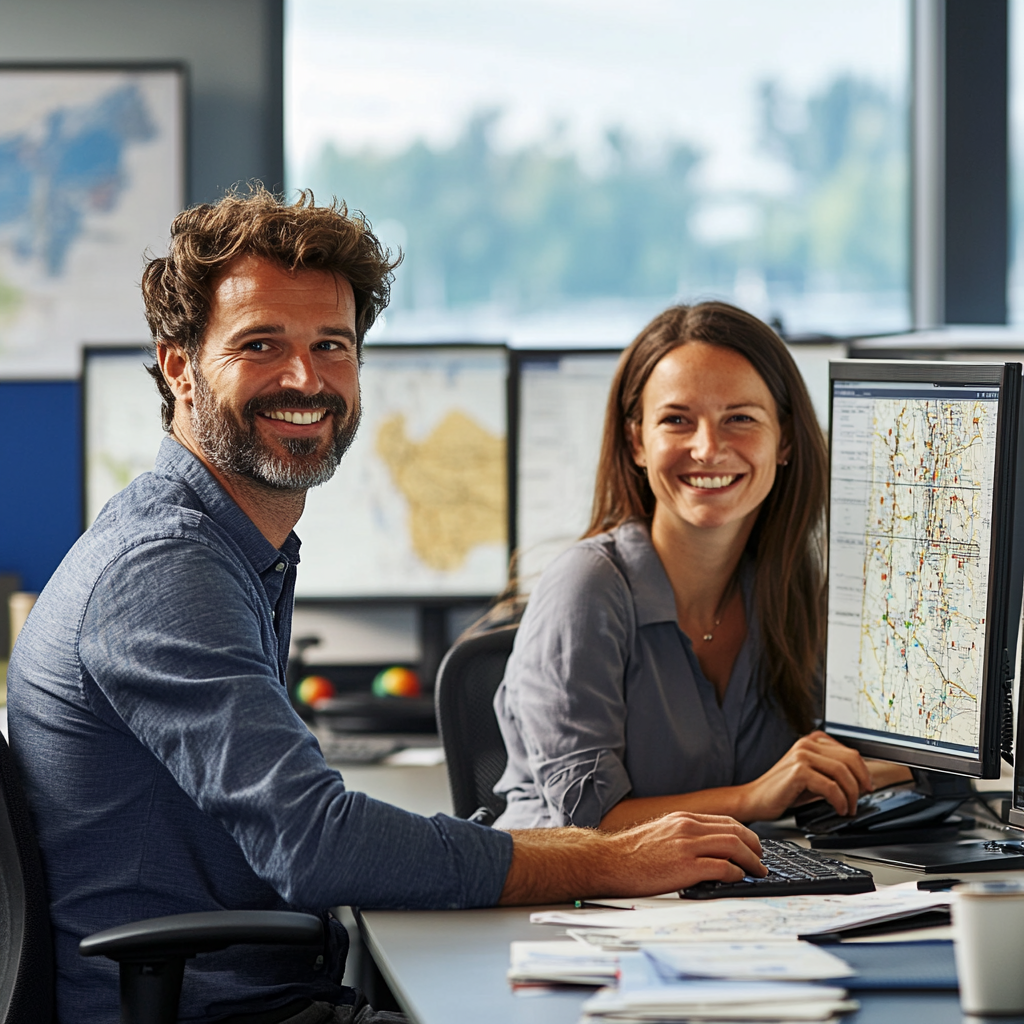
[233, 50]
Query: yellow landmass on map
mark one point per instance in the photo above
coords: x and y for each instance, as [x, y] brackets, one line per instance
[455, 483]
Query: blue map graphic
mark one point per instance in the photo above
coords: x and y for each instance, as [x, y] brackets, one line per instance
[50, 182]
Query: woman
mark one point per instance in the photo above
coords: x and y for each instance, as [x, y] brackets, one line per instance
[668, 661]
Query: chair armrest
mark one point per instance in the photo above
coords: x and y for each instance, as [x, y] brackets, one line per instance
[185, 935]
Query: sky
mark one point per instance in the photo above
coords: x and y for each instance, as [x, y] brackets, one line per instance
[380, 75]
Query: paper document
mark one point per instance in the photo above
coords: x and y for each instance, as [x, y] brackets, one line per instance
[562, 962]
[752, 919]
[645, 994]
[748, 961]
[576, 963]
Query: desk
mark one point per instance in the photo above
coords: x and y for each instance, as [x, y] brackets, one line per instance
[448, 967]
[421, 789]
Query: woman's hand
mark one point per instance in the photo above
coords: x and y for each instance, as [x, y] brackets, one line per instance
[815, 766]
[888, 773]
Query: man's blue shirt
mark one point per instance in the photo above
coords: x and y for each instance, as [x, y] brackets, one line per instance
[167, 771]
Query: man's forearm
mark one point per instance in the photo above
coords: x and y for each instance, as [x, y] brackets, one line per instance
[672, 852]
[552, 865]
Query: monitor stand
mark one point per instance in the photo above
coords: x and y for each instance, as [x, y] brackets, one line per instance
[924, 854]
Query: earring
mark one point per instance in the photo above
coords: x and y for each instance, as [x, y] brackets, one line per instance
[784, 462]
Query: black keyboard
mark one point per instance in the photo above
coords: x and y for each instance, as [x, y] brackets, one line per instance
[792, 871]
[355, 749]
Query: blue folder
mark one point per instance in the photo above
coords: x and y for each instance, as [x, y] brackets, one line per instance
[898, 965]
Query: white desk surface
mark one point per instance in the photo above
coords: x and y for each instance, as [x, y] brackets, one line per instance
[423, 790]
[448, 967]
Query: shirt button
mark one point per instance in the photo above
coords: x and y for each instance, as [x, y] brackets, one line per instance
[280, 567]
[319, 962]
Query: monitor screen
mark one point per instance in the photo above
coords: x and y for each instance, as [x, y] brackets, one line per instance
[920, 521]
[560, 405]
[419, 505]
[121, 408]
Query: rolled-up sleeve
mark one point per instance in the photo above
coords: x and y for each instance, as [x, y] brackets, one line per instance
[561, 705]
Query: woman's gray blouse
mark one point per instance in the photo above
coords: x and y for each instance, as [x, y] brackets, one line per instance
[603, 696]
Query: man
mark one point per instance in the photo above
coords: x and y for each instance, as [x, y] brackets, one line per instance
[166, 770]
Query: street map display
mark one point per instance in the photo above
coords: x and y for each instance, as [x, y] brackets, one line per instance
[909, 551]
[419, 504]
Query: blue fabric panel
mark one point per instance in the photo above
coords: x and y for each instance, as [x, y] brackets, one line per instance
[40, 476]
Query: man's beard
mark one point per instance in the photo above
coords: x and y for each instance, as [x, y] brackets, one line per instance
[238, 448]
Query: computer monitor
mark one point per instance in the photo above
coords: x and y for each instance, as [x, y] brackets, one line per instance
[122, 427]
[922, 603]
[925, 570]
[418, 508]
[558, 405]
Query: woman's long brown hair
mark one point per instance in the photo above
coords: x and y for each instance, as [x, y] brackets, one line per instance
[787, 542]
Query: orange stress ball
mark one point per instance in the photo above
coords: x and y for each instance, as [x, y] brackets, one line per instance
[313, 689]
[397, 682]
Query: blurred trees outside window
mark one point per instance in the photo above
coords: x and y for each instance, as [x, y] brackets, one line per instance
[815, 235]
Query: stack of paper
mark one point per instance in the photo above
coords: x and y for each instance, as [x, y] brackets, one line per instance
[580, 963]
[561, 962]
[646, 993]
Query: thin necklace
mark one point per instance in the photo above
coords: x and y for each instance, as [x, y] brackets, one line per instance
[720, 610]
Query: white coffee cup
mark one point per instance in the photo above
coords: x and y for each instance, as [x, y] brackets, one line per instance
[988, 937]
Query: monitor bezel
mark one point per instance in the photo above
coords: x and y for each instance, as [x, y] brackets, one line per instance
[1007, 377]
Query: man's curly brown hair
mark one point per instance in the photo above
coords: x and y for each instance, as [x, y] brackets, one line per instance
[206, 239]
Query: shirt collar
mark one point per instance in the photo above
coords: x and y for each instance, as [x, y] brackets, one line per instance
[652, 592]
[176, 462]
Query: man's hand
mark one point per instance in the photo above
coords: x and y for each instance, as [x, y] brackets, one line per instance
[671, 852]
[816, 765]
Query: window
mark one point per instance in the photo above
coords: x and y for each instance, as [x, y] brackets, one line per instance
[557, 171]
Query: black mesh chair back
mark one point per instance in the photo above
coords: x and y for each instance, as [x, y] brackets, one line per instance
[26, 967]
[464, 697]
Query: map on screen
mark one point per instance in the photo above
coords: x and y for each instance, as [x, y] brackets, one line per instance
[909, 547]
[419, 505]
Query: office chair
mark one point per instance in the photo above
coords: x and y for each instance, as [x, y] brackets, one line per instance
[151, 954]
[464, 701]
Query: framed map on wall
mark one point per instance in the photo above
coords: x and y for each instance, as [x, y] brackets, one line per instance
[92, 171]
